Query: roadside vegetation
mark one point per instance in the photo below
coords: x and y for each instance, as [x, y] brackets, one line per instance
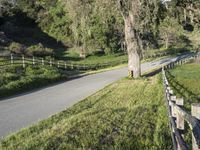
[15, 79]
[93, 59]
[128, 114]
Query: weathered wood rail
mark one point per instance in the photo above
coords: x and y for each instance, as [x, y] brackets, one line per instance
[25, 60]
[61, 64]
[177, 114]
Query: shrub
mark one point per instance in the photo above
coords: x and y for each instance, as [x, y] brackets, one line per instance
[17, 48]
[15, 79]
[39, 50]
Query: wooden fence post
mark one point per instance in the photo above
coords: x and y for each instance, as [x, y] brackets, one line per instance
[23, 61]
[65, 65]
[173, 99]
[43, 61]
[33, 60]
[58, 64]
[196, 113]
[179, 63]
[11, 58]
[50, 63]
[179, 118]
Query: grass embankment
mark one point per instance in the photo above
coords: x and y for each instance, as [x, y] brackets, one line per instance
[72, 56]
[128, 114]
[15, 79]
[185, 81]
[97, 59]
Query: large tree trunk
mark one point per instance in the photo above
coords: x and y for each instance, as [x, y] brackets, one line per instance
[133, 48]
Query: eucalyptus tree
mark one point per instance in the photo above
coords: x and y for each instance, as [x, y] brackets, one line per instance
[97, 25]
[139, 17]
[189, 10]
[80, 12]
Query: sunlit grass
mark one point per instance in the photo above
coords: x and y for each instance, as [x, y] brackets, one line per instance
[128, 114]
[185, 80]
[189, 76]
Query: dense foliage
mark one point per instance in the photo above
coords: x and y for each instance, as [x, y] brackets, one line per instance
[95, 25]
[88, 26]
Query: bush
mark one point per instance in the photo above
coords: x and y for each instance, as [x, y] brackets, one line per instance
[39, 50]
[17, 48]
[15, 79]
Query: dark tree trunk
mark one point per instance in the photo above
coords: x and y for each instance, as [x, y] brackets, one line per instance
[133, 48]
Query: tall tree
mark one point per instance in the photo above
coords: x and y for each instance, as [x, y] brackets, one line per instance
[138, 16]
[187, 10]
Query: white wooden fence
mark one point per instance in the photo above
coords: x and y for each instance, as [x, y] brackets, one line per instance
[61, 64]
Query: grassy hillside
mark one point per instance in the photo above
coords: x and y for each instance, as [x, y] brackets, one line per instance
[16, 79]
[128, 114]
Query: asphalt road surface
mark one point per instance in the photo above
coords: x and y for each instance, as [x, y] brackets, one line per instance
[24, 110]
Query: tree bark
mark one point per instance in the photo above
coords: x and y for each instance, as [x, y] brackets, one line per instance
[133, 48]
[191, 14]
[185, 14]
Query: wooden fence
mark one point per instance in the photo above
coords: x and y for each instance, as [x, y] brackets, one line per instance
[61, 64]
[25, 60]
[178, 116]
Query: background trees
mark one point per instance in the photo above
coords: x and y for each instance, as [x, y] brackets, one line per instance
[91, 26]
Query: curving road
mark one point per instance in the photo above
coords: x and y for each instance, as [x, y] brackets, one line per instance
[24, 110]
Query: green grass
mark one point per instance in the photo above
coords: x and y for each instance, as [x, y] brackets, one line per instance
[185, 81]
[73, 57]
[15, 79]
[128, 114]
[104, 58]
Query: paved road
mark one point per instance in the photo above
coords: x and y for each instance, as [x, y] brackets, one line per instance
[24, 110]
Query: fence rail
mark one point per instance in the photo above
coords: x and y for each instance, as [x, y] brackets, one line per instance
[22, 60]
[178, 116]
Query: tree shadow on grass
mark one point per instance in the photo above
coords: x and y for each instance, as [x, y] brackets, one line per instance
[24, 30]
[182, 90]
[152, 73]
